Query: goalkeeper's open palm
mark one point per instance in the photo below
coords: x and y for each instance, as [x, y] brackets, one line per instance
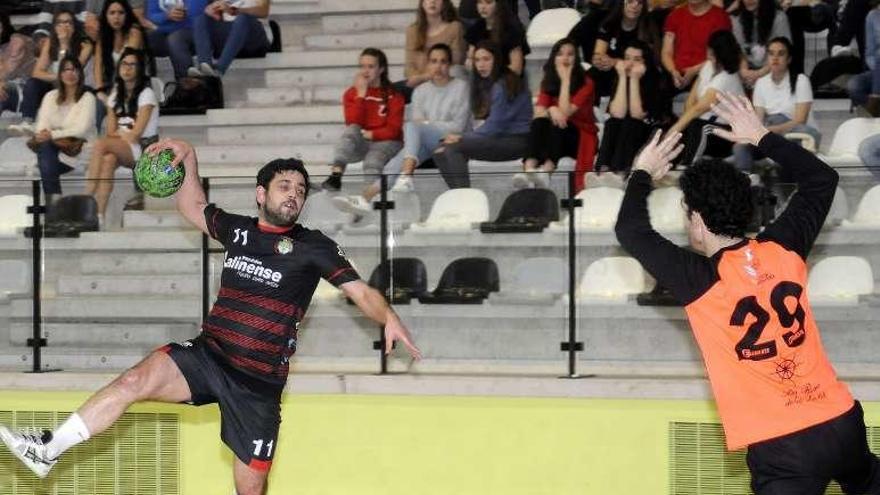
[656, 157]
[737, 110]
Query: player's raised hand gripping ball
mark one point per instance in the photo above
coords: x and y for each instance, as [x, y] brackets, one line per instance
[156, 176]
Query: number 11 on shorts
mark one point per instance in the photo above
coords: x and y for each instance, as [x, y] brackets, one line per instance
[258, 446]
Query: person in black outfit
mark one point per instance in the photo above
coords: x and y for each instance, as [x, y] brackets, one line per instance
[747, 306]
[627, 22]
[242, 356]
[585, 32]
[498, 25]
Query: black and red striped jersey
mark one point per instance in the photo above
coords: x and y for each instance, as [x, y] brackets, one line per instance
[266, 286]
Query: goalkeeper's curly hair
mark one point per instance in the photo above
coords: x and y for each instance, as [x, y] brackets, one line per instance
[721, 194]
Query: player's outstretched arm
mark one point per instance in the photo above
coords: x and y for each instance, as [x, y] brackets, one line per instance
[374, 306]
[191, 200]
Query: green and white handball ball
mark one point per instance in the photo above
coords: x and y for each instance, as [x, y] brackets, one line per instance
[155, 175]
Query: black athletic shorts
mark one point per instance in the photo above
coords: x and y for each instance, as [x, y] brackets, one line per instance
[250, 409]
[804, 462]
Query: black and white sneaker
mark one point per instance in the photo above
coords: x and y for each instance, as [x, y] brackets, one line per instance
[30, 448]
[333, 183]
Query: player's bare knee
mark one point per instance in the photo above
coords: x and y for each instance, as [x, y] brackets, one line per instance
[132, 385]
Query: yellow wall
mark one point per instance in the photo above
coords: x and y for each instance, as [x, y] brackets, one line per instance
[343, 444]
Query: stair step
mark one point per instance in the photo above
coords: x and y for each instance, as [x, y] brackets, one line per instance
[310, 153]
[113, 308]
[314, 114]
[105, 334]
[378, 39]
[275, 135]
[300, 58]
[338, 76]
[141, 263]
[154, 220]
[342, 24]
[133, 285]
[275, 97]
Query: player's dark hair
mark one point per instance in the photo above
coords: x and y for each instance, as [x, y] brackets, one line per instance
[721, 194]
[273, 168]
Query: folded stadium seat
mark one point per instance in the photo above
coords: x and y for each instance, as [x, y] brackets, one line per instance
[806, 141]
[15, 217]
[455, 212]
[526, 210]
[319, 213]
[611, 280]
[15, 277]
[464, 281]
[840, 280]
[666, 211]
[867, 215]
[535, 281]
[18, 159]
[598, 213]
[70, 216]
[407, 210]
[844, 147]
[408, 277]
[551, 25]
[839, 209]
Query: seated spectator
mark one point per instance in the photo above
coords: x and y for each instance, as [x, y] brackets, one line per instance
[16, 64]
[849, 26]
[498, 25]
[118, 29]
[585, 32]
[45, 21]
[719, 73]
[373, 122]
[564, 124]
[756, 22]
[436, 23]
[864, 88]
[634, 110]
[244, 35]
[686, 33]
[66, 112]
[805, 16]
[505, 133]
[439, 107]
[869, 153]
[173, 36]
[467, 10]
[783, 99]
[67, 40]
[93, 15]
[132, 125]
[627, 22]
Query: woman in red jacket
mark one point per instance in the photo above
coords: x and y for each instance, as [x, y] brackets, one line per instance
[373, 123]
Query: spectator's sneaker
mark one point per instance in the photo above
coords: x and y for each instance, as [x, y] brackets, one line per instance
[30, 448]
[23, 129]
[541, 180]
[355, 205]
[193, 72]
[135, 203]
[404, 184]
[333, 183]
[208, 70]
[522, 180]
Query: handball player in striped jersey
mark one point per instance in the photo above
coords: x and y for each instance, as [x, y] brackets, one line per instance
[240, 359]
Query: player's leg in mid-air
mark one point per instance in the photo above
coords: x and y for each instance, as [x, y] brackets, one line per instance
[155, 378]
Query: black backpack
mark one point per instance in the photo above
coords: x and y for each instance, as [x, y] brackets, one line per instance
[192, 96]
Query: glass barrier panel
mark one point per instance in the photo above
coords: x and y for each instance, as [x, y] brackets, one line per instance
[16, 271]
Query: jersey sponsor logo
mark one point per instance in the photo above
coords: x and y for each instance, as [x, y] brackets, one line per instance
[253, 269]
[284, 245]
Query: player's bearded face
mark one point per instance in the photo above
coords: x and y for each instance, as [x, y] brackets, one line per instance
[284, 199]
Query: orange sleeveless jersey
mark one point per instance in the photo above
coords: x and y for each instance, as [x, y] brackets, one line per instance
[761, 346]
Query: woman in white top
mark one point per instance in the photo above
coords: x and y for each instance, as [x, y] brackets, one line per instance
[66, 112]
[755, 23]
[783, 99]
[132, 124]
[720, 72]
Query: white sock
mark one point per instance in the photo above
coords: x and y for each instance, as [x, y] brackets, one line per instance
[70, 433]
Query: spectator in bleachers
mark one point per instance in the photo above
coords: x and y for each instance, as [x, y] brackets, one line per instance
[67, 113]
[686, 33]
[16, 64]
[44, 27]
[864, 88]
[173, 36]
[720, 72]
[132, 125]
[634, 109]
[585, 32]
[564, 124]
[436, 23]
[96, 7]
[627, 22]
[467, 9]
[67, 40]
[505, 133]
[118, 30]
[498, 25]
[783, 100]
[439, 107]
[869, 153]
[244, 35]
[756, 22]
[849, 26]
[805, 16]
[373, 122]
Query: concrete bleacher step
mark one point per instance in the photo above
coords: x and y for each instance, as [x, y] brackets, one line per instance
[275, 135]
[333, 76]
[378, 39]
[275, 97]
[311, 153]
[141, 263]
[93, 359]
[365, 6]
[112, 308]
[137, 220]
[118, 336]
[342, 24]
[300, 58]
[313, 114]
[172, 241]
[133, 285]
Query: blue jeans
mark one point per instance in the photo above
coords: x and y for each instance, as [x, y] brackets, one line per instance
[869, 153]
[51, 168]
[419, 141]
[243, 35]
[864, 84]
[178, 45]
[744, 154]
[11, 101]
